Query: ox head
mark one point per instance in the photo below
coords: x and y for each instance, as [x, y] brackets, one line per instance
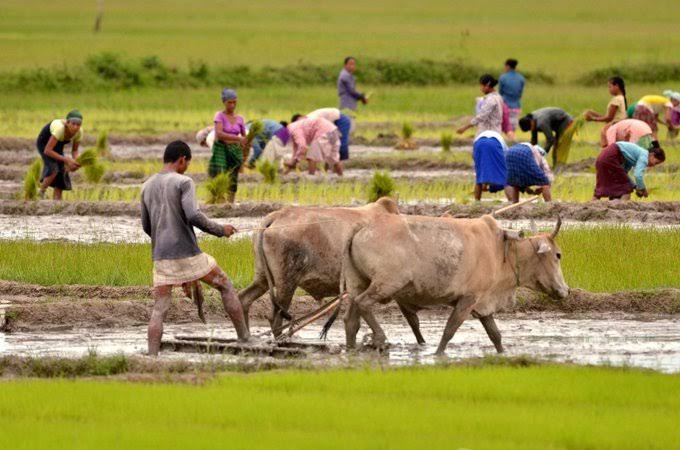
[538, 263]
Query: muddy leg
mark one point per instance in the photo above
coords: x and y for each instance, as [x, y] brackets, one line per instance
[412, 318]
[284, 296]
[219, 280]
[460, 312]
[352, 324]
[248, 295]
[365, 302]
[489, 325]
[163, 297]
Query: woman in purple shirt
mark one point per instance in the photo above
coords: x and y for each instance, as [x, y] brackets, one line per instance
[228, 151]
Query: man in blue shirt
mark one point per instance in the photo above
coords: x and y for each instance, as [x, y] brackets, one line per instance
[511, 89]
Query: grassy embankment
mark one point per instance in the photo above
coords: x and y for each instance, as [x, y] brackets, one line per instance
[663, 185]
[438, 407]
[602, 259]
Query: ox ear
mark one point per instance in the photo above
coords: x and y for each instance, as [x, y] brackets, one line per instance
[543, 248]
[513, 235]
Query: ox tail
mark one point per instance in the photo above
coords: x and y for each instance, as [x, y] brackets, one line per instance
[346, 263]
[268, 273]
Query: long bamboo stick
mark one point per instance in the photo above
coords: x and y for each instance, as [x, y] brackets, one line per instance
[515, 205]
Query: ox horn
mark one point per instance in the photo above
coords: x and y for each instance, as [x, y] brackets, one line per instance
[553, 235]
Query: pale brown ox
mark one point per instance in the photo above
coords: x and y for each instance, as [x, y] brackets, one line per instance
[470, 264]
[302, 247]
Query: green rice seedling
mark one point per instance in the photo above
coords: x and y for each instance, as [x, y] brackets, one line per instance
[256, 127]
[94, 172]
[382, 185]
[32, 180]
[102, 145]
[268, 170]
[445, 141]
[88, 157]
[406, 141]
[218, 187]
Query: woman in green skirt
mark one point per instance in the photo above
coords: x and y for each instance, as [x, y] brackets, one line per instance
[228, 151]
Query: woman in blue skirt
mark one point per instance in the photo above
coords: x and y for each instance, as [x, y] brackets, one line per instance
[488, 154]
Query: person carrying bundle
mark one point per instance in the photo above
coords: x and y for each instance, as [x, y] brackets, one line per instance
[230, 144]
[489, 116]
[527, 167]
[616, 108]
[50, 143]
[169, 214]
[555, 124]
[614, 163]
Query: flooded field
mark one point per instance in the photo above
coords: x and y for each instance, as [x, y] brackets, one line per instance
[653, 343]
[125, 229]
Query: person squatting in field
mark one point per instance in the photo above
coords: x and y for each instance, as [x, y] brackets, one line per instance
[490, 114]
[316, 140]
[50, 143]
[169, 214]
[527, 167]
[614, 163]
[616, 108]
[554, 123]
[231, 145]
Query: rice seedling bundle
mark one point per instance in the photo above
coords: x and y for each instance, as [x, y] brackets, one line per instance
[102, 145]
[382, 185]
[32, 180]
[406, 143]
[268, 169]
[87, 158]
[218, 188]
[445, 141]
[94, 172]
[256, 127]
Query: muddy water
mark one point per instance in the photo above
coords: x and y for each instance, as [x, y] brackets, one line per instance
[653, 344]
[123, 229]
[91, 229]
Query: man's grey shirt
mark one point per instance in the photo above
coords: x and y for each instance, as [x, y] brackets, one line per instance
[169, 215]
[347, 91]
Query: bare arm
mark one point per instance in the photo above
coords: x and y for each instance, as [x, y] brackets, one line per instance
[50, 153]
[595, 117]
[227, 138]
[192, 213]
[146, 220]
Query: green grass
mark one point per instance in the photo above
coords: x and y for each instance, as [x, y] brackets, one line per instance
[155, 111]
[664, 186]
[438, 407]
[33, 32]
[602, 259]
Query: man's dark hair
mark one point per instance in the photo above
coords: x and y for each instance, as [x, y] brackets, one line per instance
[348, 59]
[295, 117]
[283, 123]
[511, 63]
[175, 150]
[525, 122]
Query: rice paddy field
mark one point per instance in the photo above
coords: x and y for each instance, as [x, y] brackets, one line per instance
[596, 370]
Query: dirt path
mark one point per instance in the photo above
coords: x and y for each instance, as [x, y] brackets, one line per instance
[660, 213]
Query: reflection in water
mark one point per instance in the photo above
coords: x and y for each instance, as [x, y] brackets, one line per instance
[649, 344]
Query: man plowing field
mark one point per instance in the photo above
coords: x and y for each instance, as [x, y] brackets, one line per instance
[169, 213]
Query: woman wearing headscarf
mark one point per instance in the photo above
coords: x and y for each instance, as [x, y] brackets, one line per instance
[527, 167]
[230, 146]
[50, 143]
[490, 114]
[488, 155]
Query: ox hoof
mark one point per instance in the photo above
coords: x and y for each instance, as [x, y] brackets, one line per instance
[377, 343]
